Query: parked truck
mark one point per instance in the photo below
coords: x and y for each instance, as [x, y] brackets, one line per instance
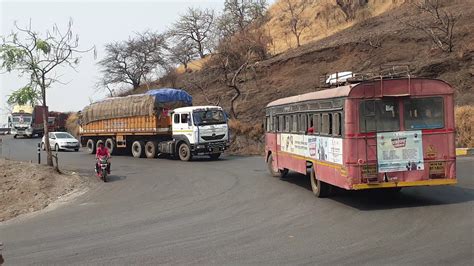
[57, 121]
[26, 120]
[161, 121]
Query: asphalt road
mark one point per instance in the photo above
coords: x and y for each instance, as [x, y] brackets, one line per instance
[159, 211]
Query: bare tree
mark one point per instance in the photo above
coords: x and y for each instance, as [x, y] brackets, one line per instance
[102, 85]
[440, 27]
[181, 53]
[132, 61]
[201, 81]
[233, 56]
[293, 13]
[350, 7]
[40, 58]
[195, 26]
[239, 15]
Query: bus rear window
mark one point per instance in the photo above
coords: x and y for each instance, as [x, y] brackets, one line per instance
[424, 113]
[379, 116]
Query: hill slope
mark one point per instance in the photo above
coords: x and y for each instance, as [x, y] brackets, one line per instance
[365, 46]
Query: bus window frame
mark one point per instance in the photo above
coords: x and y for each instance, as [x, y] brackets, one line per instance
[339, 123]
[329, 127]
[294, 123]
[316, 126]
[404, 120]
[363, 129]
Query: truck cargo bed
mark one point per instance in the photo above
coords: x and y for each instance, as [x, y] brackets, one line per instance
[136, 125]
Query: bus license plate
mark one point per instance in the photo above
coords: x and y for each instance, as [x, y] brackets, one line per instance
[437, 168]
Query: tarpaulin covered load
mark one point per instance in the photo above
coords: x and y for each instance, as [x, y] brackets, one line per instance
[150, 103]
[167, 97]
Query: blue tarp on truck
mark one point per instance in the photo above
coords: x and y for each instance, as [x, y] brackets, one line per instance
[169, 95]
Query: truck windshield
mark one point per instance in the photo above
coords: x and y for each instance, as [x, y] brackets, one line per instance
[424, 113]
[379, 116]
[208, 117]
[21, 119]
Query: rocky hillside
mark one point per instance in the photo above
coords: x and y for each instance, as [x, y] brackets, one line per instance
[364, 46]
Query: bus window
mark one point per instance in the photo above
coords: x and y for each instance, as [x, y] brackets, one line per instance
[316, 123]
[327, 124]
[378, 115]
[294, 121]
[303, 123]
[337, 124]
[268, 124]
[424, 113]
[281, 123]
[287, 123]
[275, 124]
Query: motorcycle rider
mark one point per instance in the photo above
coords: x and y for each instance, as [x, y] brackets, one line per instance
[102, 152]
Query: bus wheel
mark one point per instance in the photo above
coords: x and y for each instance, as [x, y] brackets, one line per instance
[184, 152]
[320, 188]
[138, 148]
[90, 146]
[110, 144]
[275, 172]
[150, 149]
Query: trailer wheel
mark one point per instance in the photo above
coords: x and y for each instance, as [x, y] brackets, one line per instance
[275, 172]
[110, 144]
[184, 152]
[150, 149]
[320, 188]
[138, 148]
[90, 146]
[97, 144]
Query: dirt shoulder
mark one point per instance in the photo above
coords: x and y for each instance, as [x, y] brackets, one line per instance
[27, 187]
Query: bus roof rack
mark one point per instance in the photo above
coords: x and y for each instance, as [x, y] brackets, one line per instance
[344, 78]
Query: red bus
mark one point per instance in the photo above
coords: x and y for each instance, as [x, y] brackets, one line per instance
[385, 133]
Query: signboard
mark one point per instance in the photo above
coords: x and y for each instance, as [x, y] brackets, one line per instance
[400, 151]
[321, 148]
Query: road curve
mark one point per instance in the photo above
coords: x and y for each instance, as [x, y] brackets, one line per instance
[232, 212]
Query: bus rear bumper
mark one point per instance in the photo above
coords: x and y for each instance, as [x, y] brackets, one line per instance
[431, 182]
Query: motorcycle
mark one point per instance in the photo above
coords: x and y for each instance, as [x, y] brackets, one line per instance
[102, 169]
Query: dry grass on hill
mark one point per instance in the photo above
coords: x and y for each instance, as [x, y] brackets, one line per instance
[326, 18]
[464, 123]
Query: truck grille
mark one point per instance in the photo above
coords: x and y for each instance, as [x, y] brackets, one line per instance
[215, 137]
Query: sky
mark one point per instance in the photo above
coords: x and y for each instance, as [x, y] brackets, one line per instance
[96, 23]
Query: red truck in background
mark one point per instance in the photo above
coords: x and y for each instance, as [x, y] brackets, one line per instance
[57, 121]
[28, 121]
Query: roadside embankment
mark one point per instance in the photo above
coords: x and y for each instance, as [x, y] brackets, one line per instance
[27, 187]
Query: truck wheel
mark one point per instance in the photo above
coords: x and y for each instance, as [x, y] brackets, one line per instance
[275, 172]
[320, 188]
[99, 142]
[215, 156]
[138, 148]
[184, 152]
[110, 144]
[150, 149]
[90, 146]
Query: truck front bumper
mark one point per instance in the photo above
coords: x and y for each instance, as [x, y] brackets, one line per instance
[209, 147]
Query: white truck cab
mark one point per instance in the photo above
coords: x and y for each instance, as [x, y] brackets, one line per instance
[199, 130]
